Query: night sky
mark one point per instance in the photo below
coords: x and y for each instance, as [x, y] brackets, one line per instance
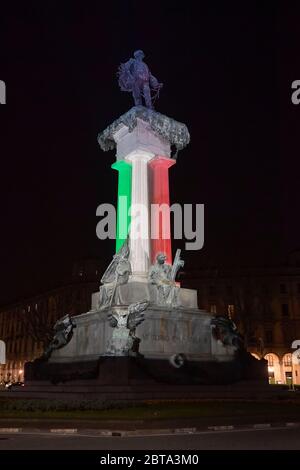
[227, 74]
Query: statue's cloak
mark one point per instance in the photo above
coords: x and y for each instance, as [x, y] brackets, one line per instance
[125, 77]
[111, 272]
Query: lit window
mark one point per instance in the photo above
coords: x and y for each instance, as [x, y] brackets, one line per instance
[213, 308]
[287, 360]
[230, 310]
[270, 360]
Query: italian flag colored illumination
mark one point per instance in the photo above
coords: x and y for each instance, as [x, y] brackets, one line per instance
[124, 201]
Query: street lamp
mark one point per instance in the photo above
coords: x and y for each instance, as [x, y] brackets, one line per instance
[295, 358]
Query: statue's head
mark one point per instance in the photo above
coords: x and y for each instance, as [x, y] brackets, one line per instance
[139, 55]
[161, 258]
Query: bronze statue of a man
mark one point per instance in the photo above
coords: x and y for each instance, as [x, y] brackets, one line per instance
[135, 76]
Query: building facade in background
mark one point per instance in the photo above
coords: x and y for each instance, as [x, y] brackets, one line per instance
[263, 302]
[26, 326]
[265, 305]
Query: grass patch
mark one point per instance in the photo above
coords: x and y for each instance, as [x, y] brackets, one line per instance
[96, 410]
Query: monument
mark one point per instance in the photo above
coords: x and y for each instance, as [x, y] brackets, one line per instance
[143, 327]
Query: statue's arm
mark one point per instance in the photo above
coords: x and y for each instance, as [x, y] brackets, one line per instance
[154, 278]
[168, 272]
[154, 82]
[129, 64]
[123, 268]
[151, 276]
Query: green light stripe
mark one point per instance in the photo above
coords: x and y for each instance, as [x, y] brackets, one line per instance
[124, 201]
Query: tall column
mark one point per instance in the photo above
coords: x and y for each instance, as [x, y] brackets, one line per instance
[123, 202]
[160, 196]
[139, 227]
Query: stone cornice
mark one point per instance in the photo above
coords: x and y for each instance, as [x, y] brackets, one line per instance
[174, 132]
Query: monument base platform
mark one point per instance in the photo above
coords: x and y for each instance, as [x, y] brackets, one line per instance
[177, 348]
[166, 332]
[136, 378]
[132, 393]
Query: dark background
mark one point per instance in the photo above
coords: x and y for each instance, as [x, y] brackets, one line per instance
[227, 73]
